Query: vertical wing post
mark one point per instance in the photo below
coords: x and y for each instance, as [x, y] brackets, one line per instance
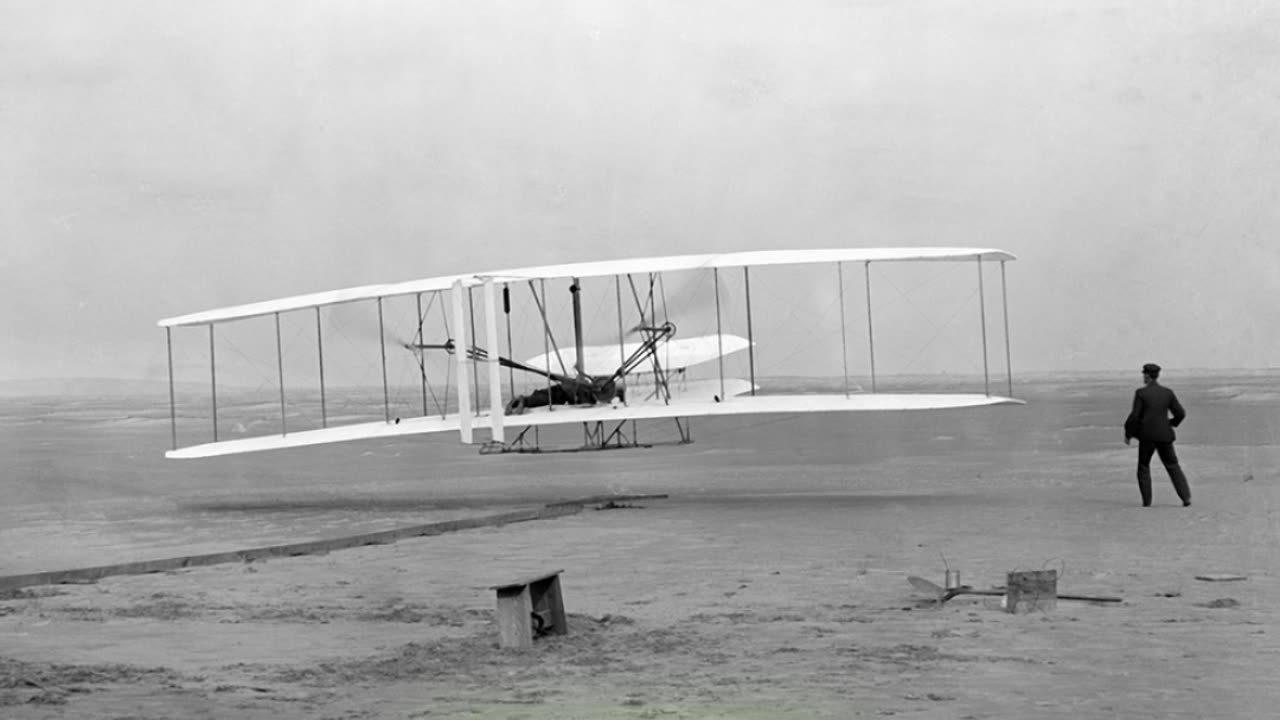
[492, 360]
[462, 343]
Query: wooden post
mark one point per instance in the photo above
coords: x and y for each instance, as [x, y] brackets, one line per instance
[1031, 591]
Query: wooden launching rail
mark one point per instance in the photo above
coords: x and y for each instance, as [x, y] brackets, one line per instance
[312, 547]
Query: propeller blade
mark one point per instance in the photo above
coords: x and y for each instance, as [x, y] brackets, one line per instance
[447, 346]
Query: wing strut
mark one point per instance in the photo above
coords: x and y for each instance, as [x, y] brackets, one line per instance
[662, 289]
[464, 397]
[382, 342]
[324, 413]
[871, 337]
[579, 365]
[617, 294]
[506, 310]
[1004, 293]
[547, 341]
[475, 369]
[173, 407]
[422, 359]
[844, 343]
[751, 345]
[495, 372]
[715, 276]
[444, 408]
[213, 384]
[284, 428]
[982, 309]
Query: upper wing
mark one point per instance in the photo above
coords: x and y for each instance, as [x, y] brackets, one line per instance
[591, 269]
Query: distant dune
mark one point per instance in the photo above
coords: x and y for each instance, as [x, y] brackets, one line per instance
[1069, 382]
[91, 387]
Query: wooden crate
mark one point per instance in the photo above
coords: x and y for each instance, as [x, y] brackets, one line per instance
[530, 607]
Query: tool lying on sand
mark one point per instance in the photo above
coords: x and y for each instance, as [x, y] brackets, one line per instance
[943, 594]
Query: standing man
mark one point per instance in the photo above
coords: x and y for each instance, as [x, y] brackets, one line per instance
[1150, 422]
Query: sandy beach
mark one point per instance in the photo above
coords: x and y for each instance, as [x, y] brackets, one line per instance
[770, 582]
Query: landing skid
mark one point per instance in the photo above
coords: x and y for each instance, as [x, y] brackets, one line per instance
[595, 436]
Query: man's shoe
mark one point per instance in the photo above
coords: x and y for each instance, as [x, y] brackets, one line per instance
[1186, 503]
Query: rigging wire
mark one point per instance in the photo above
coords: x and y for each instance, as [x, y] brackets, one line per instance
[939, 329]
[905, 296]
[266, 377]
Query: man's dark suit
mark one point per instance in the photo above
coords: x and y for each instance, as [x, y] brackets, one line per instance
[1150, 422]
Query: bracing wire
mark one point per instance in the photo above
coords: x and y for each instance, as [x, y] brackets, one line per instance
[267, 378]
[939, 329]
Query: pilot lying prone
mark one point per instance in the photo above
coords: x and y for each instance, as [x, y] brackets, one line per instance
[604, 391]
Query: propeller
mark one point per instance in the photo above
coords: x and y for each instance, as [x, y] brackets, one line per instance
[668, 328]
[448, 346]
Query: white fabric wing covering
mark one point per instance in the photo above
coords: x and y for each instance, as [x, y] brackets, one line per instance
[686, 405]
[593, 269]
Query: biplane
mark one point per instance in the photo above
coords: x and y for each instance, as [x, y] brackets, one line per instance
[641, 365]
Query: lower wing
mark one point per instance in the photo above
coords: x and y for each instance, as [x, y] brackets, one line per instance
[703, 400]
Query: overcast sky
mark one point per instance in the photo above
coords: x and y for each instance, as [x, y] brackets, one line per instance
[162, 158]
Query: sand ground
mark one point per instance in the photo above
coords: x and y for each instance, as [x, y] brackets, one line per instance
[710, 604]
[771, 582]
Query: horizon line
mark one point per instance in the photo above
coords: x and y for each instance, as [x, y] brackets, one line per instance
[1002, 376]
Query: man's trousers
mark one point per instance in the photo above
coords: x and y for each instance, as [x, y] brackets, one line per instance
[1146, 449]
